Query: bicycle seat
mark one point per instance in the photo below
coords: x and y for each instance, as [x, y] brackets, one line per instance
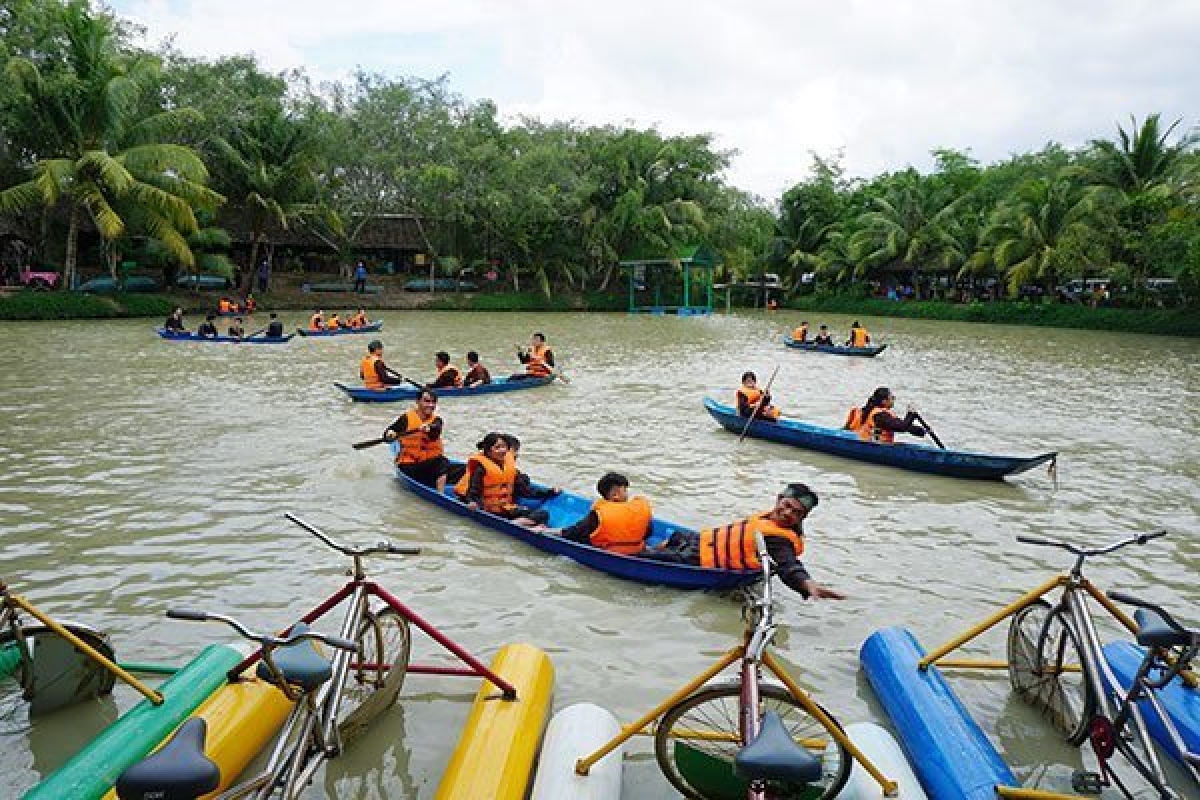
[775, 756]
[1153, 631]
[299, 662]
[178, 771]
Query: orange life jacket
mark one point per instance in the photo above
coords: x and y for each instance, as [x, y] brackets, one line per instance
[224, 307]
[358, 321]
[859, 337]
[316, 322]
[623, 526]
[368, 373]
[251, 304]
[416, 447]
[853, 419]
[733, 547]
[800, 334]
[453, 370]
[333, 323]
[536, 365]
[868, 432]
[753, 396]
[499, 482]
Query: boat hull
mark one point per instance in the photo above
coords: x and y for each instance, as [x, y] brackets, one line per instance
[172, 336]
[373, 327]
[835, 350]
[916, 457]
[567, 508]
[392, 394]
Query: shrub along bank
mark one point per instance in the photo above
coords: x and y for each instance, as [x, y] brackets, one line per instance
[74, 305]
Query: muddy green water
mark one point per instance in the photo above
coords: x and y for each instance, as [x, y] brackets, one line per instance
[140, 474]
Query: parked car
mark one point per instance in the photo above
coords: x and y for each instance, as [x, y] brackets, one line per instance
[134, 283]
[202, 281]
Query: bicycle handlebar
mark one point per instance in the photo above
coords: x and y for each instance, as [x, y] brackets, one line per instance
[384, 547]
[1141, 538]
[264, 639]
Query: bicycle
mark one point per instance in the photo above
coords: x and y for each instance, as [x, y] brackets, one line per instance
[57, 664]
[337, 697]
[746, 738]
[1057, 663]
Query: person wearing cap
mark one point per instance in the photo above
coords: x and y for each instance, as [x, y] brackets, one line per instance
[823, 338]
[875, 421]
[733, 546]
[374, 373]
[616, 521]
[274, 327]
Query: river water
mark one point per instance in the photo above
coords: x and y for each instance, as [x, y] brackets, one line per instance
[141, 474]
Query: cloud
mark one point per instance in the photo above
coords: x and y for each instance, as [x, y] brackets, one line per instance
[885, 82]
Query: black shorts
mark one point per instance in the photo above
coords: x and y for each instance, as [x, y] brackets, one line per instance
[427, 472]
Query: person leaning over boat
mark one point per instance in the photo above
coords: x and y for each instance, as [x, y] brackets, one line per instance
[237, 329]
[274, 327]
[175, 321]
[616, 521]
[448, 375]
[317, 321]
[858, 336]
[208, 328]
[801, 333]
[421, 456]
[732, 546]
[477, 374]
[493, 483]
[877, 423]
[538, 359]
[374, 373]
[753, 401]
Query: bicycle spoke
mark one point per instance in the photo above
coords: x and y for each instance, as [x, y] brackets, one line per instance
[1045, 668]
[377, 671]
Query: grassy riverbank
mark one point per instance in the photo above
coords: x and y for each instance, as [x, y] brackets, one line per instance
[71, 305]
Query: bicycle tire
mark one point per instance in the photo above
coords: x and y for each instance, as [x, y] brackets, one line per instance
[1041, 642]
[377, 672]
[67, 682]
[713, 712]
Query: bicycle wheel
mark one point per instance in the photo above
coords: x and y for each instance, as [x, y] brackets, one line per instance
[58, 674]
[376, 672]
[697, 740]
[1042, 644]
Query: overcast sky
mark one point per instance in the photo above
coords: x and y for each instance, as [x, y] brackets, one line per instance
[885, 81]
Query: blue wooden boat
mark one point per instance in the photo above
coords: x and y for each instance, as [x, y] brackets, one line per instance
[368, 328]
[392, 394]
[917, 457]
[567, 508]
[192, 336]
[835, 350]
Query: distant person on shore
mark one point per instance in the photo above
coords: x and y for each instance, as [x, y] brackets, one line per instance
[858, 336]
[419, 430]
[477, 374]
[236, 329]
[208, 328]
[175, 321]
[616, 521]
[800, 334]
[752, 401]
[360, 278]
[823, 339]
[876, 422]
[448, 375]
[374, 373]
[538, 359]
[274, 327]
[264, 275]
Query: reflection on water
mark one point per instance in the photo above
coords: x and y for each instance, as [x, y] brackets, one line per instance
[141, 474]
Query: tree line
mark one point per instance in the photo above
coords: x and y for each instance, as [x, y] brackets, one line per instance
[155, 151]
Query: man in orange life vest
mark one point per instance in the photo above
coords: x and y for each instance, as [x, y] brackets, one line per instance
[615, 521]
[419, 430]
[374, 373]
[448, 375]
[538, 359]
[732, 546]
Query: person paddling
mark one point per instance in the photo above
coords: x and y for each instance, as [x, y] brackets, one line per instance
[858, 336]
[419, 430]
[733, 546]
[876, 422]
[752, 401]
[374, 373]
[800, 334]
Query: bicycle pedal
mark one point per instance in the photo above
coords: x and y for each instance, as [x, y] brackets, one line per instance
[1087, 782]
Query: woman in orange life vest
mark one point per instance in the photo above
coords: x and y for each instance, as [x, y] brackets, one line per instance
[858, 336]
[317, 321]
[615, 521]
[537, 358]
[448, 375]
[732, 546]
[493, 483]
[419, 430]
[374, 373]
[753, 401]
[876, 422]
[801, 333]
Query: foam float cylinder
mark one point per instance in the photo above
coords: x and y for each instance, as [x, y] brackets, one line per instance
[573, 733]
[952, 757]
[93, 770]
[880, 747]
[495, 754]
[242, 718]
[1181, 702]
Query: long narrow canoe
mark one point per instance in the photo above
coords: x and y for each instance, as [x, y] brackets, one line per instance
[192, 336]
[834, 349]
[916, 457]
[370, 327]
[361, 394]
[567, 508]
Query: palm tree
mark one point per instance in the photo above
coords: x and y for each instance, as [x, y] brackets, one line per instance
[902, 227]
[110, 160]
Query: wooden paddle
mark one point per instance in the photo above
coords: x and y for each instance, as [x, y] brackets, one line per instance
[382, 440]
[256, 333]
[395, 374]
[759, 404]
[928, 429]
